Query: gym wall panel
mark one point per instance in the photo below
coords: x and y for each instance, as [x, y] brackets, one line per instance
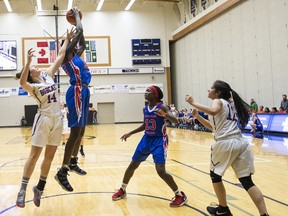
[237, 72]
[250, 52]
[263, 50]
[278, 25]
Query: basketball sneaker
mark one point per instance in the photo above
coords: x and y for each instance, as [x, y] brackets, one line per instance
[75, 168]
[82, 152]
[120, 194]
[61, 178]
[37, 196]
[215, 210]
[178, 200]
[20, 202]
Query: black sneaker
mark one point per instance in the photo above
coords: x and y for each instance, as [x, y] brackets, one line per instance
[75, 168]
[61, 178]
[217, 210]
[82, 152]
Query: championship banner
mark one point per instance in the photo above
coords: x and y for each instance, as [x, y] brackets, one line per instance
[193, 7]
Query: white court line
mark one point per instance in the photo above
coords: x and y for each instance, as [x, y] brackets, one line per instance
[113, 167]
[190, 143]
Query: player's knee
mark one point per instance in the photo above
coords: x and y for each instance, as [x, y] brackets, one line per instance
[161, 171]
[247, 182]
[215, 178]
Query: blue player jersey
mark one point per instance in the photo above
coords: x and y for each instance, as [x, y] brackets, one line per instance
[77, 70]
[78, 94]
[154, 124]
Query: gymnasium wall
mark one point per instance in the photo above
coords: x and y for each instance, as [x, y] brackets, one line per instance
[246, 47]
[143, 22]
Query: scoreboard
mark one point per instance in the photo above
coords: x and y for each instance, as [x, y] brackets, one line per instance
[146, 47]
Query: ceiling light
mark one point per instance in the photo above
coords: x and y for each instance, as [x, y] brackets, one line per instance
[130, 4]
[99, 6]
[39, 5]
[70, 3]
[8, 6]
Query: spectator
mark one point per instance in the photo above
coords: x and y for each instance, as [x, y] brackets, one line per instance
[261, 109]
[281, 110]
[266, 110]
[253, 106]
[284, 103]
[273, 110]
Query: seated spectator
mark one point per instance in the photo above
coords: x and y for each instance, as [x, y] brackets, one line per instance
[257, 127]
[261, 109]
[266, 110]
[281, 110]
[273, 110]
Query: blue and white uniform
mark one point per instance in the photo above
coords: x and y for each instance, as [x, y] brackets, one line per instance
[155, 139]
[78, 94]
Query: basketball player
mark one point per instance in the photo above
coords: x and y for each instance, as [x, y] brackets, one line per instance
[230, 149]
[77, 99]
[47, 126]
[155, 142]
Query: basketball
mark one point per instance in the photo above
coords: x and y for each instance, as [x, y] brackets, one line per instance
[71, 18]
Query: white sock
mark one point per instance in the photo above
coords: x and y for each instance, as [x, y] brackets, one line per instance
[123, 186]
[178, 192]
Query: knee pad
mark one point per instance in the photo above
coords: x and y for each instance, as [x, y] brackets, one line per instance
[215, 178]
[247, 182]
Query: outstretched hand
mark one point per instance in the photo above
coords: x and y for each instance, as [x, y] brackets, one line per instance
[75, 10]
[70, 34]
[125, 136]
[30, 54]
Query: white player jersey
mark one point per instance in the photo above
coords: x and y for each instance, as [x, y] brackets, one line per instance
[47, 97]
[225, 122]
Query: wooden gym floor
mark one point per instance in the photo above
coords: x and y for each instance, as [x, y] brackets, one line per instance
[107, 159]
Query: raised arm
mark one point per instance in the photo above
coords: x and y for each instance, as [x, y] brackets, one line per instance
[78, 39]
[213, 110]
[61, 55]
[25, 72]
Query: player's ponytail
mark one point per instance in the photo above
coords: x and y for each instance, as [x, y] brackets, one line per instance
[226, 92]
[18, 75]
